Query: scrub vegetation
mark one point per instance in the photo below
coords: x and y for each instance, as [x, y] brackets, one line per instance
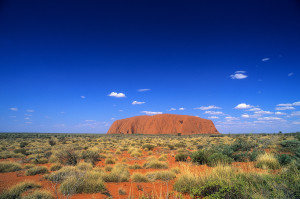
[140, 166]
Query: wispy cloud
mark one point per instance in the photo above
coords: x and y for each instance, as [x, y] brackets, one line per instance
[181, 109]
[213, 117]
[172, 109]
[229, 118]
[207, 107]
[243, 106]
[288, 104]
[82, 97]
[89, 120]
[30, 110]
[254, 109]
[27, 122]
[239, 75]
[151, 112]
[13, 109]
[279, 113]
[295, 113]
[265, 59]
[290, 74]
[245, 115]
[27, 118]
[118, 95]
[213, 112]
[269, 118]
[144, 89]
[261, 112]
[136, 102]
[282, 108]
[296, 104]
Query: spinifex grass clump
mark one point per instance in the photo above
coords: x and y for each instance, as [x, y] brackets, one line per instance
[16, 191]
[9, 167]
[153, 163]
[138, 177]
[36, 170]
[39, 194]
[119, 173]
[267, 161]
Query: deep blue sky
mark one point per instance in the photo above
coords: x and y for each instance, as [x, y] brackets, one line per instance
[190, 54]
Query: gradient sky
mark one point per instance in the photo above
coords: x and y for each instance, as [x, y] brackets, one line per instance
[76, 66]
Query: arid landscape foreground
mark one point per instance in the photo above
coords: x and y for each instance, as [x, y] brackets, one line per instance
[140, 166]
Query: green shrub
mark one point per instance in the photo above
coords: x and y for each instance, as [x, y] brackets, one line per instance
[85, 166]
[28, 166]
[39, 194]
[36, 170]
[218, 158]
[254, 154]
[16, 191]
[148, 146]
[55, 167]
[23, 144]
[9, 167]
[267, 161]
[290, 144]
[181, 157]
[283, 159]
[200, 156]
[138, 177]
[23, 151]
[40, 161]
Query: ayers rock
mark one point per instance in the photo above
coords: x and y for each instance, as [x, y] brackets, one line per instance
[163, 124]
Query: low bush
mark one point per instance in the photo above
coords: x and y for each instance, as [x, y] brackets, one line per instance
[110, 161]
[84, 166]
[200, 156]
[148, 146]
[16, 191]
[22, 150]
[284, 159]
[55, 167]
[138, 177]
[90, 156]
[9, 167]
[39, 194]
[161, 175]
[40, 161]
[67, 156]
[135, 166]
[267, 161]
[119, 173]
[36, 170]
[181, 157]
[218, 158]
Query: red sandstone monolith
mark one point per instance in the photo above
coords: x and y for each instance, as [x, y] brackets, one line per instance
[163, 124]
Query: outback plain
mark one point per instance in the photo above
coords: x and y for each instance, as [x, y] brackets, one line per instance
[149, 166]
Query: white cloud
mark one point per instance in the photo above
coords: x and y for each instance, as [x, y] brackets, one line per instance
[239, 75]
[89, 120]
[290, 74]
[136, 102]
[245, 115]
[27, 118]
[181, 109]
[255, 109]
[213, 112]
[207, 107]
[13, 109]
[118, 95]
[295, 113]
[243, 106]
[172, 109]
[213, 117]
[296, 104]
[265, 59]
[112, 118]
[284, 108]
[279, 113]
[82, 97]
[30, 110]
[269, 118]
[151, 112]
[143, 89]
[62, 112]
[296, 122]
[263, 112]
[288, 104]
[121, 110]
[229, 118]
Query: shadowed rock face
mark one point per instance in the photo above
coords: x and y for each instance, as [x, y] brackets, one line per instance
[163, 124]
